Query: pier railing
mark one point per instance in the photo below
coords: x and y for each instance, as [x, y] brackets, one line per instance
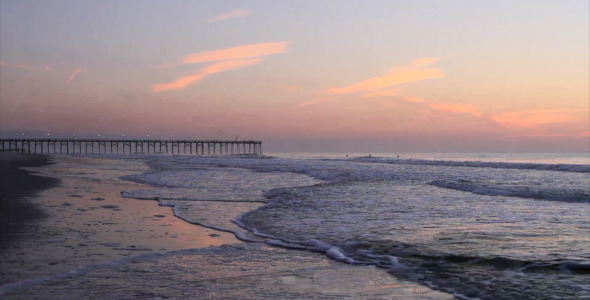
[129, 146]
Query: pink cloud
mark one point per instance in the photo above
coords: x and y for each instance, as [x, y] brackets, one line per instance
[210, 69]
[456, 108]
[227, 59]
[73, 75]
[26, 67]
[234, 13]
[532, 118]
[178, 84]
[415, 100]
[229, 65]
[240, 52]
[410, 73]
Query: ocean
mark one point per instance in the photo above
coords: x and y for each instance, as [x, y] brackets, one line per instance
[477, 226]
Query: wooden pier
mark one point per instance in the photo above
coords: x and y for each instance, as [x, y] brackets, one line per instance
[125, 146]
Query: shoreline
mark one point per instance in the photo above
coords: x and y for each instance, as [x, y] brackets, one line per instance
[97, 244]
[88, 222]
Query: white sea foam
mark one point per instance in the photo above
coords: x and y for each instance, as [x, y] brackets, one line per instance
[337, 254]
[564, 193]
[579, 168]
[440, 222]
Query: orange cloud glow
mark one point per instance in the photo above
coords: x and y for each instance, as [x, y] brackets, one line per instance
[390, 92]
[218, 67]
[229, 65]
[415, 100]
[240, 52]
[456, 108]
[230, 15]
[531, 118]
[178, 84]
[227, 59]
[395, 76]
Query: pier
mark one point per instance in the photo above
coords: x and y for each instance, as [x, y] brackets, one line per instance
[129, 146]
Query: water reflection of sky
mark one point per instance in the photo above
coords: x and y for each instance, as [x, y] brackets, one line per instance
[540, 158]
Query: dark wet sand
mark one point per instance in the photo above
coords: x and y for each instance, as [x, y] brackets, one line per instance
[17, 186]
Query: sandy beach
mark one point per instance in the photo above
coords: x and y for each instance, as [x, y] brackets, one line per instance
[95, 244]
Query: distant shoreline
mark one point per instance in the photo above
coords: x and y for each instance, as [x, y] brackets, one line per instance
[16, 185]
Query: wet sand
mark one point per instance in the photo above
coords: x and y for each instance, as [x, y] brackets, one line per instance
[17, 186]
[90, 223]
[96, 244]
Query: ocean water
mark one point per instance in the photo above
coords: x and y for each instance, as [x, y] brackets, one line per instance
[479, 226]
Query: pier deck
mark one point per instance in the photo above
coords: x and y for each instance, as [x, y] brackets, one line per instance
[131, 146]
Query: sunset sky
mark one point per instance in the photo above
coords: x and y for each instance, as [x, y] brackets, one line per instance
[381, 76]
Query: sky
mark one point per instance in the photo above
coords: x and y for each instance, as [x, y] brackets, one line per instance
[302, 76]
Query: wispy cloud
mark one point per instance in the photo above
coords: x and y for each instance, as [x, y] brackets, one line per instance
[210, 69]
[73, 75]
[385, 86]
[234, 13]
[240, 52]
[178, 84]
[415, 71]
[225, 60]
[229, 65]
[26, 67]
[531, 118]
[456, 108]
